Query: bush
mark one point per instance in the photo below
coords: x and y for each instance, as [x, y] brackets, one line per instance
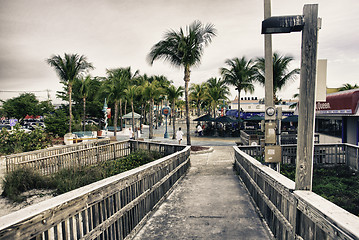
[17, 140]
[65, 180]
[22, 180]
[57, 123]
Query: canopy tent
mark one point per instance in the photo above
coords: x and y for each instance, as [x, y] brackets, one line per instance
[226, 119]
[129, 116]
[293, 118]
[255, 118]
[204, 118]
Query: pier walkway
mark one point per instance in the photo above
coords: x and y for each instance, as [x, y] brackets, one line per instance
[210, 202]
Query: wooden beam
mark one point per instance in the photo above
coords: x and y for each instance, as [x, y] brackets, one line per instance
[306, 116]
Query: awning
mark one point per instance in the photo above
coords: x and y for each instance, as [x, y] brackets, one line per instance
[204, 118]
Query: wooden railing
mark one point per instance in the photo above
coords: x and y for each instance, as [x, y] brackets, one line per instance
[324, 154]
[293, 214]
[15, 160]
[109, 209]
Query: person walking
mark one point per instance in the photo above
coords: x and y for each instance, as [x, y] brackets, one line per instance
[179, 135]
[199, 130]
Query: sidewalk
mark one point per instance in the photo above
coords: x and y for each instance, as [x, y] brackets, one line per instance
[208, 203]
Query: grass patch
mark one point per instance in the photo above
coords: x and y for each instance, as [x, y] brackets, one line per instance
[25, 179]
[338, 184]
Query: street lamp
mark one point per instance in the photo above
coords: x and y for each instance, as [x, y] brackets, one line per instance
[166, 111]
[308, 24]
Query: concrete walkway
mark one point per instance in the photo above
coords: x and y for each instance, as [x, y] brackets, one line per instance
[208, 203]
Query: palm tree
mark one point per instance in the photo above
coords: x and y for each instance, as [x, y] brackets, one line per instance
[173, 94]
[281, 73]
[69, 68]
[216, 90]
[114, 87]
[184, 48]
[240, 74]
[152, 91]
[85, 88]
[197, 95]
[131, 93]
[347, 86]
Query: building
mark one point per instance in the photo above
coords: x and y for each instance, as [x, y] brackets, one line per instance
[337, 119]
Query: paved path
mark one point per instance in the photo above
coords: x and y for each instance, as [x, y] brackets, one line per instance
[208, 203]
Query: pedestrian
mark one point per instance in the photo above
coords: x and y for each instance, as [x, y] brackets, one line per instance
[199, 130]
[179, 135]
[130, 133]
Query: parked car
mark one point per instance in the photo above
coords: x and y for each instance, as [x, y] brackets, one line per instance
[6, 126]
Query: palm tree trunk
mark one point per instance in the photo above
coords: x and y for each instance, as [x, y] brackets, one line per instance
[239, 102]
[84, 117]
[70, 105]
[150, 136]
[133, 120]
[116, 116]
[186, 81]
[174, 119]
[198, 110]
[121, 121]
[125, 107]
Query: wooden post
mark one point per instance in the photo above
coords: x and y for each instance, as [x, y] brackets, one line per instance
[306, 116]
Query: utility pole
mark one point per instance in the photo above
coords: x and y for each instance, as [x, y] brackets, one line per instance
[306, 116]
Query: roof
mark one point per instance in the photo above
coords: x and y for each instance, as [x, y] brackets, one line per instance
[129, 115]
[344, 102]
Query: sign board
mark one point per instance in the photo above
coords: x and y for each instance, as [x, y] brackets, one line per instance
[13, 122]
[321, 94]
[273, 154]
[166, 111]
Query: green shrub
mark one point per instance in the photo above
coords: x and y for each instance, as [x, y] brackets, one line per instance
[66, 180]
[57, 123]
[22, 180]
[17, 140]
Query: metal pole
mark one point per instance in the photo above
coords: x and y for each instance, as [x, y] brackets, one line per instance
[268, 99]
[166, 133]
[306, 116]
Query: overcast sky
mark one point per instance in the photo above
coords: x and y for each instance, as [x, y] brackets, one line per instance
[120, 33]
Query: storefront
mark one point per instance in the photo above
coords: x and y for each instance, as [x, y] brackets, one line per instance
[338, 116]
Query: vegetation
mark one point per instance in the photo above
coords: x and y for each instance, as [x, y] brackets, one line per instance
[18, 140]
[184, 48]
[240, 74]
[24, 179]
[339, 184]
[25, 104]
[281, 73]
[173, 94]
[69, 69]
[347, 86]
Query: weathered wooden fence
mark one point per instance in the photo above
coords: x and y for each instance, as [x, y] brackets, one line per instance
[324, 154]
[293, 214]
[108, 209]
[15, 160]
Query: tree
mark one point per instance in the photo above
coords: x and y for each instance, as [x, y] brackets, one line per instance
[184, 48]
[131, 93]
[281, 73]
[152, 91]
[25, 104]
[85, 89]
[216, 90]
[197, 92]
[173, 94]
[347, 86]
[117, 81]
[69, 68]
[240, 74]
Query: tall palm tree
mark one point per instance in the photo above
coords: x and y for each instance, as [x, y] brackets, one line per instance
[240, 74]
[131, 93]
[68, 68]
[216, 90]
[347, 86]
[152, 91]
[281, 73]
[114, 87]
[197, 95]
[85, 89]
[184, 48]
[173, 94]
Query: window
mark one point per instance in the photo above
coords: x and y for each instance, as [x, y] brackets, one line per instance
[331, 127]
